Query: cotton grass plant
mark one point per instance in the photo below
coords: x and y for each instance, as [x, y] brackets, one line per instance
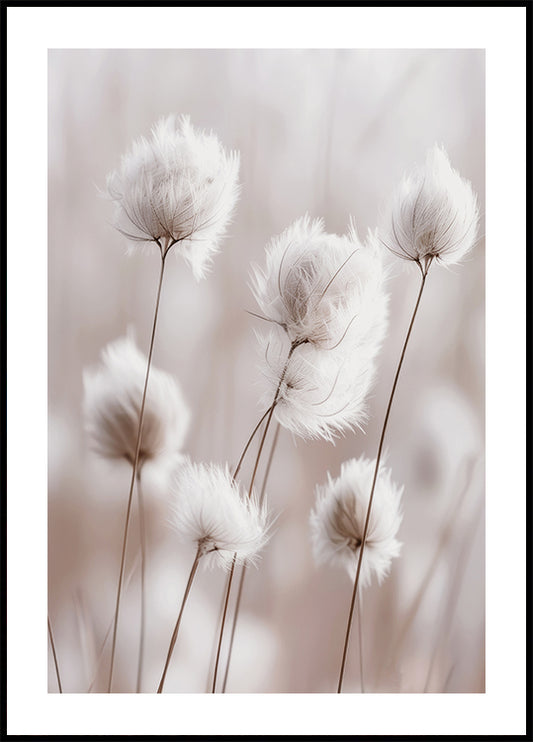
[175, 191]
[113, 393]
[325, 300]
[434, 218]
[225, 525]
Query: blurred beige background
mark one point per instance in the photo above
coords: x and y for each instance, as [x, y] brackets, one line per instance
[328, 132]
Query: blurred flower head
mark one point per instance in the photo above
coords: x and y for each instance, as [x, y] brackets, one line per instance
[177, 188]
[321, 288]
[112, 403]
[338, 520]
[210, 511]
[434, 214]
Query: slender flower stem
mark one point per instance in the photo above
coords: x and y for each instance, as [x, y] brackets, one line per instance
[194, 567]
[243, 572]
[134, 473]
[54, 655]
[424, 271]
[293, 347]
[224, 613]
[108, 632]
[360, 626]
[247, 446]
[142, 538]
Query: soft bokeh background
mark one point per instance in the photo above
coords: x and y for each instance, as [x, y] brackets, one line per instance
[327, 132]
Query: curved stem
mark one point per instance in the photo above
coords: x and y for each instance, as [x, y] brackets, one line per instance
[54, 655]
[248, 442]
[133, 475]
[194, 567]
[424, 272]
[243, 573]
[142, 538]
[293, 347]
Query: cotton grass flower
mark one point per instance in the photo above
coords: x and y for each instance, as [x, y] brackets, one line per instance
[210, 510]
[321, 394]
[225, 525]
[324, 297]
[112, 400]
[177, 188]
[434, 214]
[322, 288]
[338, 520]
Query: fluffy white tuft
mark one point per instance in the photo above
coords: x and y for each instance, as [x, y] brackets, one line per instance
[177, 188]
[338, 520]
[322, 394]
[112, 404]
[321, 288]
[324, 297]
[210, 510]
[434, 213]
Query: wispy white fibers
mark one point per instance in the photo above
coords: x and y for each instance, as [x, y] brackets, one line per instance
[112, 402]
[210, 510]
[434, 213]
[321, 288]
[322, 394]
[177, 188]
[338, 520]
[324, 298]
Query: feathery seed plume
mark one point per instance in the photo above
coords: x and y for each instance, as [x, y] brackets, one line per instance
[177, 188]
[322, 394]
[434, 213]
[324, 297]
[338, 520]
[112, 403]
[210, 510]
[321, 288]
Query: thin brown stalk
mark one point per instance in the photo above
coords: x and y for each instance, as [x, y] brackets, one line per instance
[127, 581]
[222, 623]
[134, 474]
[244, 567]
[54, 655]
[142, 539]
[293, 347]
[194, 567]
[424, 271]
[360, 632]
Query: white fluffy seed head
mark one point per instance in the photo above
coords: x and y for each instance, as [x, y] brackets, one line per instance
[338, 520]
[112, 404]
[177, 188]
[210, 511]
[322, 393]
[434, 214]
[321, 288]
